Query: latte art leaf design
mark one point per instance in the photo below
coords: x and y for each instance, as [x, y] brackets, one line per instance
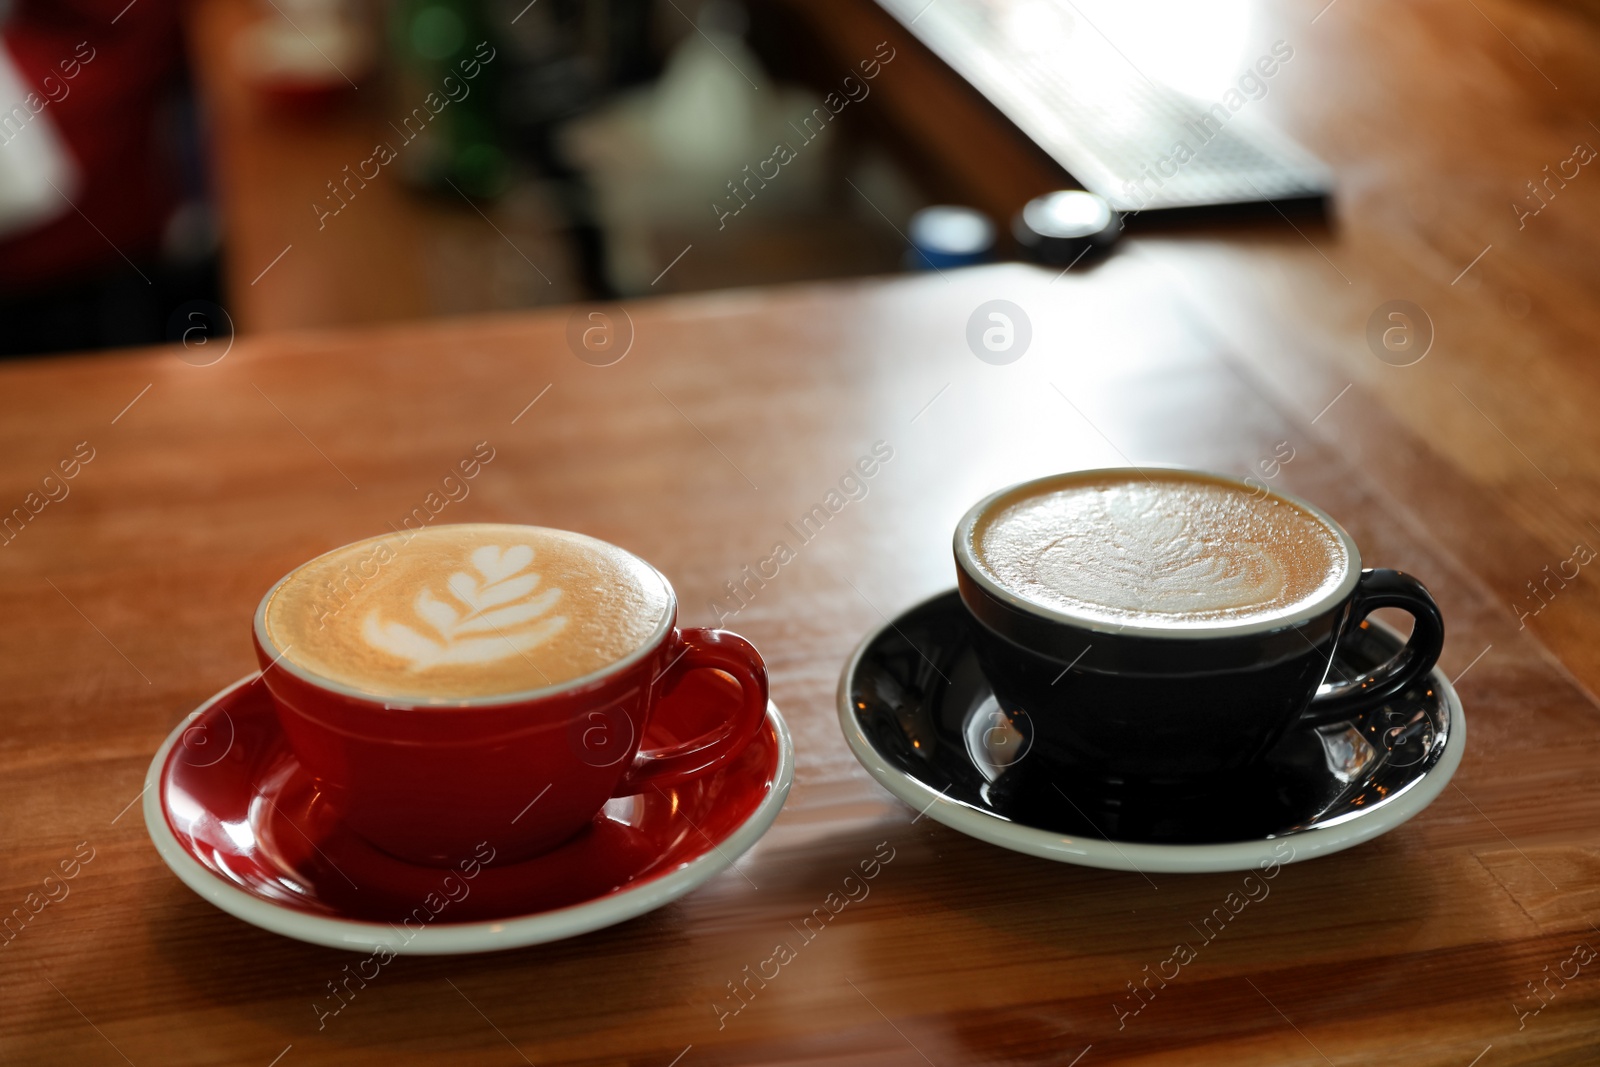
[492, 615]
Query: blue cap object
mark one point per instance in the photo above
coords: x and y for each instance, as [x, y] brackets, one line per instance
[949, 236]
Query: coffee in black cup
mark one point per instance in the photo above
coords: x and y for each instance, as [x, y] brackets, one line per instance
[1168, 626]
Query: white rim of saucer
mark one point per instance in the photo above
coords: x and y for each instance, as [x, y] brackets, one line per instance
[1352, 830]
[452, 938]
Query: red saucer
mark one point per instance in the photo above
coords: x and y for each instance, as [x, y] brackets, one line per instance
[237, 819]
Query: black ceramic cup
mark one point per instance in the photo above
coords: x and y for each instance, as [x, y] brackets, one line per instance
[1150, 704]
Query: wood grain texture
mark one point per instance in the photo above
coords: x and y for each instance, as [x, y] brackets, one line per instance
[128, 602]
[203, 492]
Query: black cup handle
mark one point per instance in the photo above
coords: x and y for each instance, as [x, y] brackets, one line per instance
[1380, 587]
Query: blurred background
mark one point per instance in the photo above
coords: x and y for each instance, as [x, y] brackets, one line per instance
[250, 165]
[269, 164]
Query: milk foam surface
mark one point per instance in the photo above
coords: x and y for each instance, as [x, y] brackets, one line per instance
[1176, 549]
[455, 612]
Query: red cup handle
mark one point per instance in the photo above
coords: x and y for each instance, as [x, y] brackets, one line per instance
[704, 649]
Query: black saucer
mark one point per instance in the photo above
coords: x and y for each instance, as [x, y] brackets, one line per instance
[921, 717]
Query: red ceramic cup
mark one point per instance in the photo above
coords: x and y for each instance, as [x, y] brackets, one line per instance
[523, 771]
